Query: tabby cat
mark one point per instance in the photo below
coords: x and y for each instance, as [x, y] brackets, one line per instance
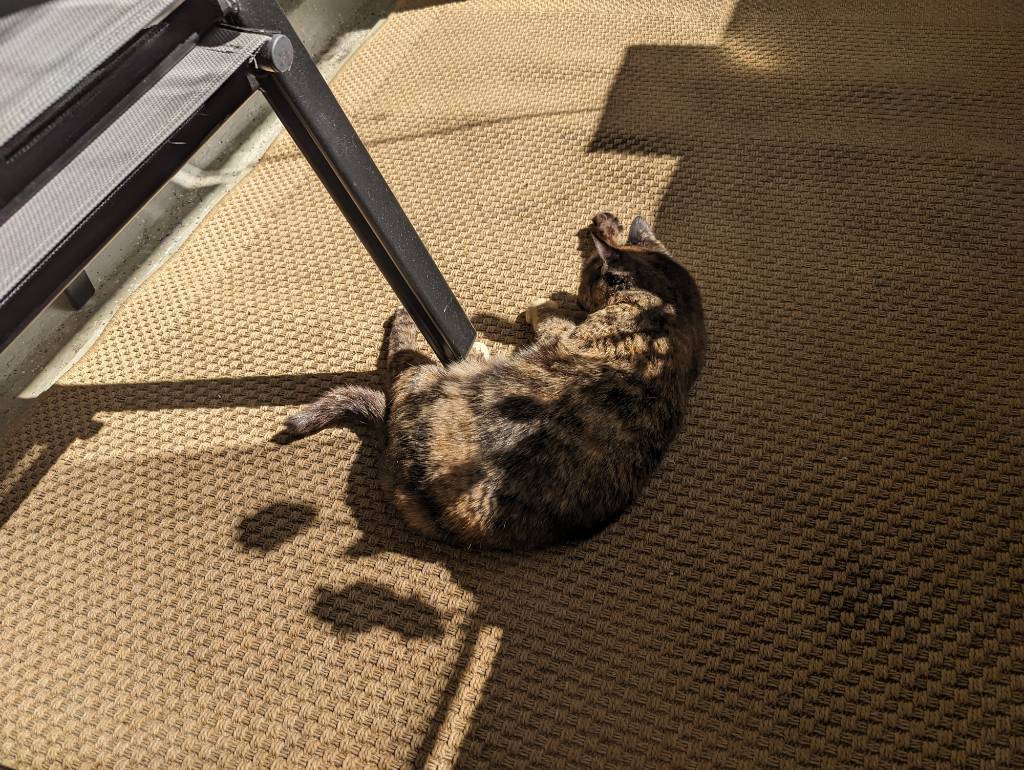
[552, 443]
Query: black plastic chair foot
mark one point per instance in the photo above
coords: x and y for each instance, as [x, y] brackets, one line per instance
[79, 291]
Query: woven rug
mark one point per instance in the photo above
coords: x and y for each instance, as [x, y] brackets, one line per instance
[828, 568]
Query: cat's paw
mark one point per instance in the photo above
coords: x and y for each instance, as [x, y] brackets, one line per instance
[608, 227]
[479, 352]
[399, 317]
[537, 309]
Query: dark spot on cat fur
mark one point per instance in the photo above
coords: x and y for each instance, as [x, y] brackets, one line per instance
[569, 421]
[623, 403]
[519, 407]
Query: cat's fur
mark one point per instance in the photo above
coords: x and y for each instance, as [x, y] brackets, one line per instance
[554, 442]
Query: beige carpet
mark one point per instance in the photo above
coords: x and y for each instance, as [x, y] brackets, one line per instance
[828, 569]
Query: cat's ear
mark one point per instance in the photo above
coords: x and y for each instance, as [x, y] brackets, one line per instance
[603, 250]
[641, 232]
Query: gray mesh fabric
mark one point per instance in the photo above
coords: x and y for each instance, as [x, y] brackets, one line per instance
[45, 220]
[47, 49]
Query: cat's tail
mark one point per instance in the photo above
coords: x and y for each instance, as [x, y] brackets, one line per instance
[352, 401]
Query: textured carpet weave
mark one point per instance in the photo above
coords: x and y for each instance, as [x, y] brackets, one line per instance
[827, 570]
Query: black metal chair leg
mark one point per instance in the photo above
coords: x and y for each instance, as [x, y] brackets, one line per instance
[307, 108]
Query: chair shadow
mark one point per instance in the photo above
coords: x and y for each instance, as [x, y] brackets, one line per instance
[274, 525]
[364, 606]
[68, 413]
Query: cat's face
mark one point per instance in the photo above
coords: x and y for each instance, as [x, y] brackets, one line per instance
[613, 268]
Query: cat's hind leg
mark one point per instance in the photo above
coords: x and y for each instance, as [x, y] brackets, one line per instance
[360, 403]
[402, 350]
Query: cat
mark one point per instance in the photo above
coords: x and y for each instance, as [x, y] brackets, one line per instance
[551, 444]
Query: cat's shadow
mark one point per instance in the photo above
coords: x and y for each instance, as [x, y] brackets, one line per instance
[493, 328]
[516, 332]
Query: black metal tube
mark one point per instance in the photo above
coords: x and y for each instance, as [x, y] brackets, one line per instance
[315, 120]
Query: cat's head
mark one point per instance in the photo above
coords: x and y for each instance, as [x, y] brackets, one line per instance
[642, 262]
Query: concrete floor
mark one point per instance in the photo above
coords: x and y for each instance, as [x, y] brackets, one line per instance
[56, 339]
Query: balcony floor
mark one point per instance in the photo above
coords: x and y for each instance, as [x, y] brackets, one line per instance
[826, 570]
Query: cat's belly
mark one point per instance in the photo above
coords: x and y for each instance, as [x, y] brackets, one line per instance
[491, 461]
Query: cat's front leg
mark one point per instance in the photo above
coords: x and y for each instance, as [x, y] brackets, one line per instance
[608, 227]
[478, 352]
[549, 317]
